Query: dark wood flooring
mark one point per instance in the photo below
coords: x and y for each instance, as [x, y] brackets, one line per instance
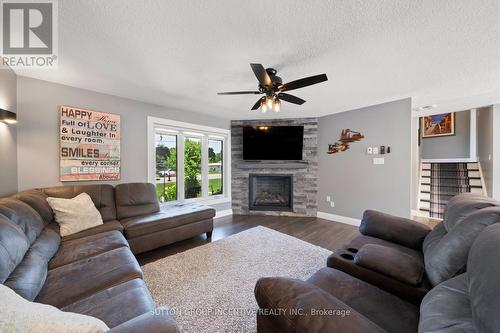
[326, 234]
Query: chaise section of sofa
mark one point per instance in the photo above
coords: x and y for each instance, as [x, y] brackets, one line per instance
[147, 225]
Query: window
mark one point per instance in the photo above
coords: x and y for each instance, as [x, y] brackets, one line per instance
[215, 166]
[187, 161]
[166, 166]
[192, 168]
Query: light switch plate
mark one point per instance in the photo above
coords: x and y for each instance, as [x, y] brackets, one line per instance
[378, 160]
[328, 198]
[369, 150]
[332, 204]
[375, 150]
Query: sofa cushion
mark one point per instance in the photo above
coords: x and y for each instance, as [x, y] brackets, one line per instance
[461, 205]
[170, 216]
[434, 237]
[75, 214]
[394, 229]
[168, 236]
[358, 242]
[13, 246]
[135, 199]
[289, 304]
[102, 195]
[446, 308]
[483, 271]
[117, 304]
[159, 320]
[448, 257]
[106, 226]
[82, 248]
[391, 262]
[29, 276]
[411, 293]
[24, 216]
[385, 310]
[80, 279]
[19, 315]
[37, 199]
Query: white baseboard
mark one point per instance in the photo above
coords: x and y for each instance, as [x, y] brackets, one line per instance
[339, 218]
[222, 213]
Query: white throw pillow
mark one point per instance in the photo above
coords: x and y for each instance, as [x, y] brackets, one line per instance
[75, 215]
[20, 315]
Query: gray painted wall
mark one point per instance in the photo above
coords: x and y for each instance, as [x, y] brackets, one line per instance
[455, 146]
[496, 151]
[350, 177]
[485, 145]
[8, 133]
[38, 128]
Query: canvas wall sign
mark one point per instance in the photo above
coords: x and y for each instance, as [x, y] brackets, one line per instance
[438, 125]
[90, 145]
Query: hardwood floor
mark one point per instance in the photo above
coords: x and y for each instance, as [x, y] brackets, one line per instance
[326, 234]
[426, 220]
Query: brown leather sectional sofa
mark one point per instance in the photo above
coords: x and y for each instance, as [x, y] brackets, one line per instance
[399, 276]
[94, 272]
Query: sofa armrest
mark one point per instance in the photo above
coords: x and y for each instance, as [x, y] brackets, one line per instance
[391, 262]
[394, 229]
[157, 321]
[297, 306]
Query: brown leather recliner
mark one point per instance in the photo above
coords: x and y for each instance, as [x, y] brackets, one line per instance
[405, 257]
[332, 301]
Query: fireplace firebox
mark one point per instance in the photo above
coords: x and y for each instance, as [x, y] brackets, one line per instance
[270, 192]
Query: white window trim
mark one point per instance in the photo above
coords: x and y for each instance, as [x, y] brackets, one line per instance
[208, 132]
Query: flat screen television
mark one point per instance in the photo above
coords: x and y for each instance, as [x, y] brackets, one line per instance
[273, 142]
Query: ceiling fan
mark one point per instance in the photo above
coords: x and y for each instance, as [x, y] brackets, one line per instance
[272, 86]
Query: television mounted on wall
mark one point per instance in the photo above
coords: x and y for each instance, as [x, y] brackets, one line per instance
[273, 142]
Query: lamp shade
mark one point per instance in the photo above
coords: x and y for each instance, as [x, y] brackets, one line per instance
[7, 116]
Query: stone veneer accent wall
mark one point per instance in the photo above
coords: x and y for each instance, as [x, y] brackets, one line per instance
[305, 173]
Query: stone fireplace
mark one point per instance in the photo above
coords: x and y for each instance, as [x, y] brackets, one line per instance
[290, 187]
[270, 192]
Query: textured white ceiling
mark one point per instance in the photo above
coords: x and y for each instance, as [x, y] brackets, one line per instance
[180, 53]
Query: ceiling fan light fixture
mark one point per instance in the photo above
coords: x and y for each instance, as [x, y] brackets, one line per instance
[263, 106]
[269, 102]
[273, 89]
[277, 105]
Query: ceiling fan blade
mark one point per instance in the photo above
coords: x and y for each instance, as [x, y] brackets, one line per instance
[291, 99]
[301, 83]
[261, 75]
[259, 102]
[239, 93]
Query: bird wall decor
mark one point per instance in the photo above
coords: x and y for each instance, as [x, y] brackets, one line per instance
[347, 137]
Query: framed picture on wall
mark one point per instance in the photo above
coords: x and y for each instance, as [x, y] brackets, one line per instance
[89, 145]
[438, 125]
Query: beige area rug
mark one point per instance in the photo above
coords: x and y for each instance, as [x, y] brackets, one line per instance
[210, 288]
